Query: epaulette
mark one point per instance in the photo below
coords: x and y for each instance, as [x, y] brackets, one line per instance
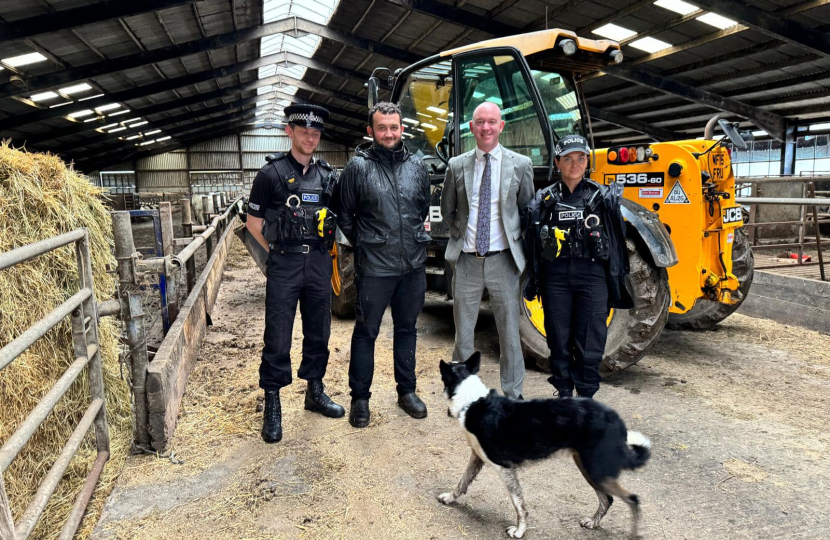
[275, 157]
[322, 163]
[596, 185]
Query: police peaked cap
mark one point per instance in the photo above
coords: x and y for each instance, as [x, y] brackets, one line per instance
[306, 115]
[572, 143]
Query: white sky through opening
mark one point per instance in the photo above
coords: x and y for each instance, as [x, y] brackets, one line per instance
[318, 11]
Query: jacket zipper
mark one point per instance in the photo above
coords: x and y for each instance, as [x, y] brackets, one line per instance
[400, 216]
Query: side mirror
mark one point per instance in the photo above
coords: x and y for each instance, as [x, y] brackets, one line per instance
[733, 134]
[372, 91]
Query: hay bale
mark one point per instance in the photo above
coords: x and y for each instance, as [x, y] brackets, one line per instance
[40, 198]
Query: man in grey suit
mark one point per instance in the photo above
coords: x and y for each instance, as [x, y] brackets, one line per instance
[484, 191]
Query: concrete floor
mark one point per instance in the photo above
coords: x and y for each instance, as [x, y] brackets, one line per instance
[738, 419]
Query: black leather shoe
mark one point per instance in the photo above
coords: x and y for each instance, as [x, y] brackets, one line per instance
[359, 413]
[316, 400]
[272, 418]
[413, 405]
[561, 394]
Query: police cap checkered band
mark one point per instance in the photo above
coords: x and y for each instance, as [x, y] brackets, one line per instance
[572, 143]
[306, 115]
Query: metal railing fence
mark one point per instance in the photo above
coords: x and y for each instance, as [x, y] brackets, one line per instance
[82, 308]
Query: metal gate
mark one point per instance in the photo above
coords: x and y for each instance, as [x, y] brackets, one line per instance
[83, 310]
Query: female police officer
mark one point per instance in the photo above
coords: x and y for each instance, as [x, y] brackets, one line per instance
[576, 237]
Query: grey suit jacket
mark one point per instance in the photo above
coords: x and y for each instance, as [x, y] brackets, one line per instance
[516, 193]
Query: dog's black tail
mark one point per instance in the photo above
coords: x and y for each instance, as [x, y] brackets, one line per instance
[639, 450]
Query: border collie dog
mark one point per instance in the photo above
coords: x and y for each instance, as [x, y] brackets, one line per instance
[506, 433]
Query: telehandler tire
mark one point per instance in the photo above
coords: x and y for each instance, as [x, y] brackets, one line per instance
[705, 314]
[631, 333]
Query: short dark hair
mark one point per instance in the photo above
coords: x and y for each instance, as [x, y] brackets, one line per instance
[384, 107]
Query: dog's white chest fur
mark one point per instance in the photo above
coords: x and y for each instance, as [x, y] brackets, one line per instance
[469, 391]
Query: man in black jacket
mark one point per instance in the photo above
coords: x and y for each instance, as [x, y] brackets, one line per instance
[384, 201]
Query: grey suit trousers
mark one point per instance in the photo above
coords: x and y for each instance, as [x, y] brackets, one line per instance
[501, 278]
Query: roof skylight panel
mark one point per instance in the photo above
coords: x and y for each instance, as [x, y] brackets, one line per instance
[76, 88]
[718, 21]
[678, 6]
[650, 45]
[43, 96]
[81, 114]
[107, 107]
[23, 59]
[273, 10]
[615, 32]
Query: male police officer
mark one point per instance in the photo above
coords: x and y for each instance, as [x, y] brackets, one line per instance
[288, 216]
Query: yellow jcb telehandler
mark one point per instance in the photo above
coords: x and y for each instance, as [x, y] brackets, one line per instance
[691, 264]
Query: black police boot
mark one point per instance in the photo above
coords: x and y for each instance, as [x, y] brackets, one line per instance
[561, 394]
[272, 418]
[413, 405]
[359, 413]
[316, 400]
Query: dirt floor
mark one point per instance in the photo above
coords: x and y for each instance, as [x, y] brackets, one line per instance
[738, 419]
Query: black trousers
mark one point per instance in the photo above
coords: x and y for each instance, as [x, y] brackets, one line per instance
[374, 294]
[296, 277]
[575, 302]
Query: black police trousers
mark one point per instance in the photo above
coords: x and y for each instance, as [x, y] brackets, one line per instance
[374, 294]
[575, 302]
[292, 277]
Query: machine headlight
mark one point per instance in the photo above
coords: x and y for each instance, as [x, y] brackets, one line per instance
[568, 47]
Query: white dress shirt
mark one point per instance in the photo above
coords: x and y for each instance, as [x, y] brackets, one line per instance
[498, 241]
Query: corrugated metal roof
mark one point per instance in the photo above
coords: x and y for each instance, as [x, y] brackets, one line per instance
[744, 64]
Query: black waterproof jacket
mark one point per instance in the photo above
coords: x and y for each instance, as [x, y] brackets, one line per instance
[382, 205]
[618, 267]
